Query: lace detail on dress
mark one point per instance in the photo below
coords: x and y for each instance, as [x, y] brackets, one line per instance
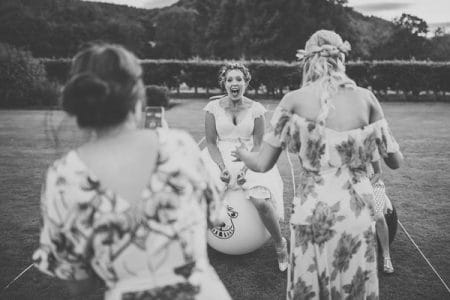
[211, 107]
[258, 110]
[230, 136]
[227, 130]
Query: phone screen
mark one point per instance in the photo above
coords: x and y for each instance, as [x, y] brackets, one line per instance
[154, 117]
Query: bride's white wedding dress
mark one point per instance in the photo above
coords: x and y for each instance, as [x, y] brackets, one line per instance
[228, 136]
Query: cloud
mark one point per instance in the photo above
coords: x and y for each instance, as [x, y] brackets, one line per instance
[383, 6]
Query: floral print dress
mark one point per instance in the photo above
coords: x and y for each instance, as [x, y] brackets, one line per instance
[332, 253]
[154, 251]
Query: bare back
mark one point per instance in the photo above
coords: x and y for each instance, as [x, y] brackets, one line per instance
[123, 164]
[353, 107]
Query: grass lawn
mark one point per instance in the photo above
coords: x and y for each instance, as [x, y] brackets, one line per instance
[420, 191]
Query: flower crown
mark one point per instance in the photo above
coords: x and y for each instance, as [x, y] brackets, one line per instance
[324, 50]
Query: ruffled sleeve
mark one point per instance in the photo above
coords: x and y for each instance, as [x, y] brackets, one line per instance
[385, 140]
[258, 110]
[62, 252]
[211, 107]
[184, 156]
[270, 137]
[284, 131]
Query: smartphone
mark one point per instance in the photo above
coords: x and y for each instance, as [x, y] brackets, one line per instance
[154, 117]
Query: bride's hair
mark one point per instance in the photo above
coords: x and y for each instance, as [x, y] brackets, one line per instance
[233, 66]
[324, 61]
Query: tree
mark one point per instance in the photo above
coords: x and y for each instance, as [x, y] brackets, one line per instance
[338, 2]
[220, 35]
[258, 29]
[57, 28]
[440, 31]
[408, 40]
[440, 47]
[415, 25]
[174, 32]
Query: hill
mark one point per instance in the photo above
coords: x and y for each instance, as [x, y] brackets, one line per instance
[258, 29]
[275, 29]
[368, 33]
[57, 28]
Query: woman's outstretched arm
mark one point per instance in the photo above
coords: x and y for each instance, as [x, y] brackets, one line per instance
[261, 161]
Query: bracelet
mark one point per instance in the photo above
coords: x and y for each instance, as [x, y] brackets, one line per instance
[221, 166]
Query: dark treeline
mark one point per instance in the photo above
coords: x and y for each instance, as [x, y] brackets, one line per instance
[212, 29]
[226, 29]
[57, 28]
[195, 31]
[267, 29]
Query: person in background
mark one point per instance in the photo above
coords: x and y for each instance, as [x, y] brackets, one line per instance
[336, 128]
[381, 199]
[129, 209]
[233, 120]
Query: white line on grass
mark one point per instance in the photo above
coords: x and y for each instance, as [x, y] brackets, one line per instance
[424, 257]
[17, 277]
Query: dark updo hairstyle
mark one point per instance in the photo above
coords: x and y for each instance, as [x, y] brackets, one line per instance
[233, 66]
[104, 86]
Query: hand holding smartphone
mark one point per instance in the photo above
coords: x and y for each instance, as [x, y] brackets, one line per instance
[154, 117]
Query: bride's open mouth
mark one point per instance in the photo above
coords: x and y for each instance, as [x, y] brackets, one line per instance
[234, 91]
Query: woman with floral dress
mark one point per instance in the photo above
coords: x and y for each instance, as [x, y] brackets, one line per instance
[381, 203]
[130, 207]
[336, 129]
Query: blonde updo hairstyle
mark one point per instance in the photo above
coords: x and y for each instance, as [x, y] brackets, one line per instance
[104, 86]
[233, 66]
[324, 61]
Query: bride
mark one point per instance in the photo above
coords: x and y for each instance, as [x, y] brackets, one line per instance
[234, 120]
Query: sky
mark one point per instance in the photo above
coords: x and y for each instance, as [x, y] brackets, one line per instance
[434, 12]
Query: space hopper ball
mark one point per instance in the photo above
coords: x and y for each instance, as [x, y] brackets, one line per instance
[243, 232]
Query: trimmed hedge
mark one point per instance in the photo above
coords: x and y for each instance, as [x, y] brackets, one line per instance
[408, 77]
